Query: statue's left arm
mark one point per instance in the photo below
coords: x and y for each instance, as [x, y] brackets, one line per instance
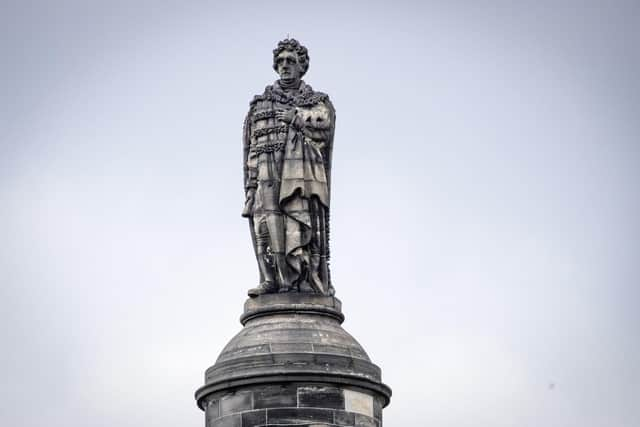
[318, 124]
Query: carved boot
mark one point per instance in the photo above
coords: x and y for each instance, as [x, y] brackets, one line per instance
[264, 288]
[269, 285]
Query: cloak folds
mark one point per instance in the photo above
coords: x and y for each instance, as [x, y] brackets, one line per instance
[290, 166]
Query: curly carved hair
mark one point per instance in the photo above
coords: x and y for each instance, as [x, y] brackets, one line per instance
[294, 46]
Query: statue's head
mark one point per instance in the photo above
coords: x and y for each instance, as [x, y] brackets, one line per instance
[290, 60]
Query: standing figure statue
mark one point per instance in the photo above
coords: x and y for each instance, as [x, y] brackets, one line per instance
[287, 141]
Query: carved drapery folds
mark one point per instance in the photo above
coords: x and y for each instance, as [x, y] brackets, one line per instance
[288, 139]
[292, 364]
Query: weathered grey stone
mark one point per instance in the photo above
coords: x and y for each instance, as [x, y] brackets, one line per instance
[364, 421]
[377, 408]
[292, 347]
[292, 364]
[306, 345]
[355, 401]
[234, 403]
[320, 397]
[287, 145]
[302, 425]
[229, 421]
[274, 396]
[332, 349]
[299, 415]
[329, 349]
[254, 418]
[213, 409]
[344, 418]
[288, 303]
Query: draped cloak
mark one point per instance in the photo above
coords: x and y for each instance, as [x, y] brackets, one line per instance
[290, 166]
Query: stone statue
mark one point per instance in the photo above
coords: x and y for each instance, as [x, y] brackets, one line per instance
[292, 363]
[287, 141]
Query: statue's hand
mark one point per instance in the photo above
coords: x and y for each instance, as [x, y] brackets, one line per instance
[248, 204]
[286, 116]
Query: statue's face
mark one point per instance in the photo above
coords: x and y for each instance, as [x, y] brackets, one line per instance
[287, 66]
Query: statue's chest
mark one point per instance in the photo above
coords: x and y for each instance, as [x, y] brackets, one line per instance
[264, 124]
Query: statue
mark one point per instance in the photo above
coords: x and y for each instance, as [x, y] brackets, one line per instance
[287, 141]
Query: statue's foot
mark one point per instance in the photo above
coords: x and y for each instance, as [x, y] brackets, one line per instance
[317, 284]
[263, 288]
[305, 288]
[284, 288]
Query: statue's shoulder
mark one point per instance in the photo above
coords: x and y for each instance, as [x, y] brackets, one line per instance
[306, 97]
[308, 89]
[266, 95]
[319, 97]
[310, 97]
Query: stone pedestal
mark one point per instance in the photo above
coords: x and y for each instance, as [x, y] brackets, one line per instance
[293, 365]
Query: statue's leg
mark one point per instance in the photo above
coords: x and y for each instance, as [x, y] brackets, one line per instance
[268, 284]
[323, 219]
[254, 241]
[315, 272]
[275, 222]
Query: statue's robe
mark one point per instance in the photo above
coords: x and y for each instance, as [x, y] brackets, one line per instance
[289, 166]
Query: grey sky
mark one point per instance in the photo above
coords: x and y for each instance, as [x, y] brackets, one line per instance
[485, 231]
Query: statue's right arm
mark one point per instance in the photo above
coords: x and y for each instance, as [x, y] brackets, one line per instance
[250, 167]
[250, 160]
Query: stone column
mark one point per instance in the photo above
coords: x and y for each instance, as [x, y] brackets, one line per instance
[293, 364]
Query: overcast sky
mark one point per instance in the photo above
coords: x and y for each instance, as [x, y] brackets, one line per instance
[485, 231]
